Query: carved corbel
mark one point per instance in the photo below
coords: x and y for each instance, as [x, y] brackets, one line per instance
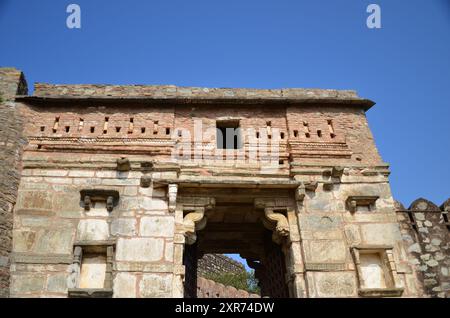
[146, 181]
[354, 201]
[274, 220]
[337, 172]
[87, 202]
[110, 203]
[193, 221]
[300, 193]
[311, 186]
[281, 224]
[328, 186]
[123, 164]
[110, 197]
[172, 195]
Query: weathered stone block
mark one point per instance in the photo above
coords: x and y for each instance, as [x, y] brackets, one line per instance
[54, 241]
[34, 200]
[140, 249]
[25, 284]
[124, 286]
[123, 227]
[157, 226]
[155, 285]
[92, 229]
[335, 284]
[67, 205]
[386, 234]
[23, 241]
[57, 283]
[153, 204]
[327, 251]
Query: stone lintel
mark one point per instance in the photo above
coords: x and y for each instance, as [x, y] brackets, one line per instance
[380, 292]
[325, 267]
[90, 293]
[29, 258]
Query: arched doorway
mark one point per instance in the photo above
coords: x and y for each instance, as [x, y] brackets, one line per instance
[234, 222]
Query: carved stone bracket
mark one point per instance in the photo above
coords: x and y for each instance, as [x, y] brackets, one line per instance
[172, 195]
[300, 193]
[146, 181]
[192, 222]
[123, 164]
[281, 229]
[354, 201]
[337, 172]
[194, 217]
[111, 197]
[274, 219]
[311, 186]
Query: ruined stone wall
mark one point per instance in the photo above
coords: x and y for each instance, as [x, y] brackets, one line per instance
[217, 264]
[207, 288]
[425, 231]
[12, 82]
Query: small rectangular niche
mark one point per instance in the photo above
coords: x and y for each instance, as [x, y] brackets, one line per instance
[372, 270]
[93, 271]
[361, 203]
[376, 270]
[91, 274]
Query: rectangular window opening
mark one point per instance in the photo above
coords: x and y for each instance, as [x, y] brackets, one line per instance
[228, 134]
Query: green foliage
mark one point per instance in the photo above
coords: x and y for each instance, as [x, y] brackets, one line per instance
[243, 280]
[1, 98]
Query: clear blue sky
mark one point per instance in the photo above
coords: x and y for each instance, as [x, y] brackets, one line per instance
[404, 67]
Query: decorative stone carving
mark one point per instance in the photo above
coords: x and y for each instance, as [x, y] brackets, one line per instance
[311, 186]
[273, 218]
[172, 194]
[146, 181]
[337, 172]
[354, 201]
[111, 197]
[300, 193]
[328, 186]
[281, 224]
[87, 202]
[123, 164]
[193, 221]
[194, 218]
[109, 203]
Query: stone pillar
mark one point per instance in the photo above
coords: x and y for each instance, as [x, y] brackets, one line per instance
[189, 218]
[12, 83]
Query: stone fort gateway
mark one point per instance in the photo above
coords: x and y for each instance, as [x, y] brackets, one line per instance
[118, 191]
